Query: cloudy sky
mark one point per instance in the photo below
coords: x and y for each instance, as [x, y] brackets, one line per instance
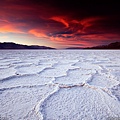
[58, 23]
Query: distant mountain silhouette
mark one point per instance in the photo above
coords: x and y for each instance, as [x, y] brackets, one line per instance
[10, 45]
[74, 48]
[115, 45]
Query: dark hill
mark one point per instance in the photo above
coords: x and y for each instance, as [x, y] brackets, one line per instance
[115, 45]
[74, 48]
[10, 45]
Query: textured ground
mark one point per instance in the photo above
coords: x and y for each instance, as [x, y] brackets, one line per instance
[60, 85]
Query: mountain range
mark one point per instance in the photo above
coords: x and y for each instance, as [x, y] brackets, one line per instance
[115, 45]
[10, 45]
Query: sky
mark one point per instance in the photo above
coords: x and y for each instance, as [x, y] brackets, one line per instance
[60, 23]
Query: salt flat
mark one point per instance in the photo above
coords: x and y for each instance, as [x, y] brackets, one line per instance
[59, 84]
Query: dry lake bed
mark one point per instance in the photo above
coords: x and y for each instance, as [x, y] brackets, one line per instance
[59, 84]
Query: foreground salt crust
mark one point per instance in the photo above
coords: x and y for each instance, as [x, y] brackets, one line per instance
[59, 85]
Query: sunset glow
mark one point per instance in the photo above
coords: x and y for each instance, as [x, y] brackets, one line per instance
[59, 24]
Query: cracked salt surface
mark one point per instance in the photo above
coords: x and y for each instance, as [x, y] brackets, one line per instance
[59, 85]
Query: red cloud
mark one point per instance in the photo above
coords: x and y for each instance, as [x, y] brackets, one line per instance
[38, 33]
[85, 23]
[101, 37]
[63, 42]
[9, 29]
[3, 20]
[61, 20]
[89, 21]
